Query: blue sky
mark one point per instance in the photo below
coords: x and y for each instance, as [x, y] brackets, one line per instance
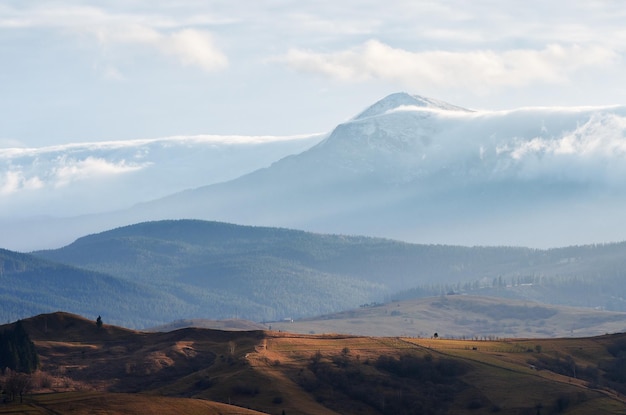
[76, 71]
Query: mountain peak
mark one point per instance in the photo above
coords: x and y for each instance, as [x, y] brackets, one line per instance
[401, 99]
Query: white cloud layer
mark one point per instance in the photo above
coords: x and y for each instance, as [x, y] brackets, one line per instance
[477, 70]
[58, 166]
[566, 145]
[87, 177]
[69, 170]
[12, 181]
[38, 173]
[593, 152]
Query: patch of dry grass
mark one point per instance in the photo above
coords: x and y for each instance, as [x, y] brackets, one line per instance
[263, 370]
[92, 403]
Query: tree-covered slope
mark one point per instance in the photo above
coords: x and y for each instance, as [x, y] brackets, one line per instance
[32, 285]
[227, 270]
[195, 251]
[223, 270]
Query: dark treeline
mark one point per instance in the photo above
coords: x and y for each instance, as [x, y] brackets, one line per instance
[17, 351]
[404, 385]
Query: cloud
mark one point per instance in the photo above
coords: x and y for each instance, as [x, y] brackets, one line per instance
[477, 70]
[189, 45]
[15, 180]
[555, 145]
[53, 167]
[595, 152]
[35, 173]
[70, 170]
[601, 136]
[195, 47]
[192, 47]
[13, 153]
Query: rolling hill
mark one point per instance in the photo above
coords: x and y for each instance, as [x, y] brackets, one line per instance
[83, 367]
[32, 285]
[221, 270]
[463, 316]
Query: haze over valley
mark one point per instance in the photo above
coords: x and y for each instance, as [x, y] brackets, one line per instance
[412, 197]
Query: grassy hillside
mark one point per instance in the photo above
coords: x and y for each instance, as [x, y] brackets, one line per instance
[306, 374]
[85, 403]
[463, 316]
[228, 324]
[257, 273]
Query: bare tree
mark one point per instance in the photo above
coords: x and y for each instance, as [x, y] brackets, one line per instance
[17, 384]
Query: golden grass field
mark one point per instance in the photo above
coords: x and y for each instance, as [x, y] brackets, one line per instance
[462, 316]
[80, 403]
[86, 370]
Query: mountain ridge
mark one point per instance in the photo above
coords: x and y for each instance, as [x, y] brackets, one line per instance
[261, 273]
[400, 166]
[532, 177]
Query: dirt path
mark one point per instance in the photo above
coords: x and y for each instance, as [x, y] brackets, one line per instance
[272, 364]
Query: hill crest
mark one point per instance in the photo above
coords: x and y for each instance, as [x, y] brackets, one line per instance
[314, 375]
[220, 271]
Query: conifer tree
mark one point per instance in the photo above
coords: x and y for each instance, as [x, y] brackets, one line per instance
[17, 351]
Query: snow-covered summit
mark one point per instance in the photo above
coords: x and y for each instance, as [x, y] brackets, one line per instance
[407, 138]
[408, 167]
[403, 99]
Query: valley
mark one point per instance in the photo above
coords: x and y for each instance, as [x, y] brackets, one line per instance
[241, 277]
[273, 299]
[210, 270]
[463, 317]
[312, 207]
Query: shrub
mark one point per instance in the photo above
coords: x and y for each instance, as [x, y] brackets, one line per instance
[474, 404]
[245, 389]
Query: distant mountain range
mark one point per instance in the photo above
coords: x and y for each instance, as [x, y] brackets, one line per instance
[418, 170]
[155, 272]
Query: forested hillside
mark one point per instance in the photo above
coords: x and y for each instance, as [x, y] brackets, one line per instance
[31, 285]
[223, 270]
